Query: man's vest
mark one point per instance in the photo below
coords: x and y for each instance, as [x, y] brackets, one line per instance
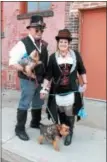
[39, 69]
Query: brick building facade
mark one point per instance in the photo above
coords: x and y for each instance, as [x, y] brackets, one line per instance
[72, 19]
[60, 15]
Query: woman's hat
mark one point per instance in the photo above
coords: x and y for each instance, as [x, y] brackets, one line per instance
[36, 21]
[64, 34]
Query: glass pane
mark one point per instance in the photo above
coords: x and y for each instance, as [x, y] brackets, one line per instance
[32, 6]
[44, 5]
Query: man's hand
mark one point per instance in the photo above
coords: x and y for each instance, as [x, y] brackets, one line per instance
[28, 70]
[29, 73]
[30, 76]
[18, 67]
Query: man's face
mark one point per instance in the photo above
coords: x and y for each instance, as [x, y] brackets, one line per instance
[36, 32]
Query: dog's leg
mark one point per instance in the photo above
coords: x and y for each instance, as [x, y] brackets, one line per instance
[56, 143]
[40, 139]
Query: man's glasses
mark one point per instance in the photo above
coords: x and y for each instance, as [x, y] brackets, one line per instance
[39, 30]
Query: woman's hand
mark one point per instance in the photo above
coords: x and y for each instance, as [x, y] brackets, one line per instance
[84, 79]
[84, 87]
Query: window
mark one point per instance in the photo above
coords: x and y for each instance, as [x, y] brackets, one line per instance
[32, 6]
[29, 8]
[38, 6]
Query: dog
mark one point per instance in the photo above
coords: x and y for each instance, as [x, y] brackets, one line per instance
[29, 63]
[53, 133]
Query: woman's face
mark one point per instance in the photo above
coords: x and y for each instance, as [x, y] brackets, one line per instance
[63, 45]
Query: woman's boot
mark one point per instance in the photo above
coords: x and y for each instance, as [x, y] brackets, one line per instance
[36, 117]
[70, 122]
[62, 117]
[20, 127]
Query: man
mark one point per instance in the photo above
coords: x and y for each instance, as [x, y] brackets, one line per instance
[29, 88]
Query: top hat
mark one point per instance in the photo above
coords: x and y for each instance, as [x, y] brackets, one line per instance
[64, 34]
[36, 21]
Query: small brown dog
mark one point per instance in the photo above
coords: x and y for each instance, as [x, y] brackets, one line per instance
[29, 63]
[53, 134]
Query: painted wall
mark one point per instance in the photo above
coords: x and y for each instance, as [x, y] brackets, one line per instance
[15, 29]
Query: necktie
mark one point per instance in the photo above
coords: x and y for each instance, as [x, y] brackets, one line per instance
[38, 45]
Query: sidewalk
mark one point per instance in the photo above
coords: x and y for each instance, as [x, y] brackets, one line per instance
[89, 144]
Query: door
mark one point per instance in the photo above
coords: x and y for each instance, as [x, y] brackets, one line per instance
[93, 50]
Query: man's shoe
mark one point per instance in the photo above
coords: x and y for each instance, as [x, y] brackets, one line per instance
[20, 126]
[22, 135]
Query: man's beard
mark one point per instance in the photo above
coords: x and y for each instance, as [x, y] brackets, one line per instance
[38, 37]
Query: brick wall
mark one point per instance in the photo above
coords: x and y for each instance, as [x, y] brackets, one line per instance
[72, 17]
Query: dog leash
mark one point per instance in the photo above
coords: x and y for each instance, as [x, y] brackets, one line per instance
[53, 120]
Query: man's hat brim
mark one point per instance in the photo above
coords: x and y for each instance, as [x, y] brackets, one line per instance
[36, 25]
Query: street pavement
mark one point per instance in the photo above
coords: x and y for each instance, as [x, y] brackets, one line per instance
[88, 144]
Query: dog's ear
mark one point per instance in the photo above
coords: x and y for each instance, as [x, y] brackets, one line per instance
[58, 126]
[65, 126]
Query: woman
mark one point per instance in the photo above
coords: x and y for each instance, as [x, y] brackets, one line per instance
[64, 65]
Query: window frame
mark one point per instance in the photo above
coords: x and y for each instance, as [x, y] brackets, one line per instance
[25, 15]
[38, 10]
